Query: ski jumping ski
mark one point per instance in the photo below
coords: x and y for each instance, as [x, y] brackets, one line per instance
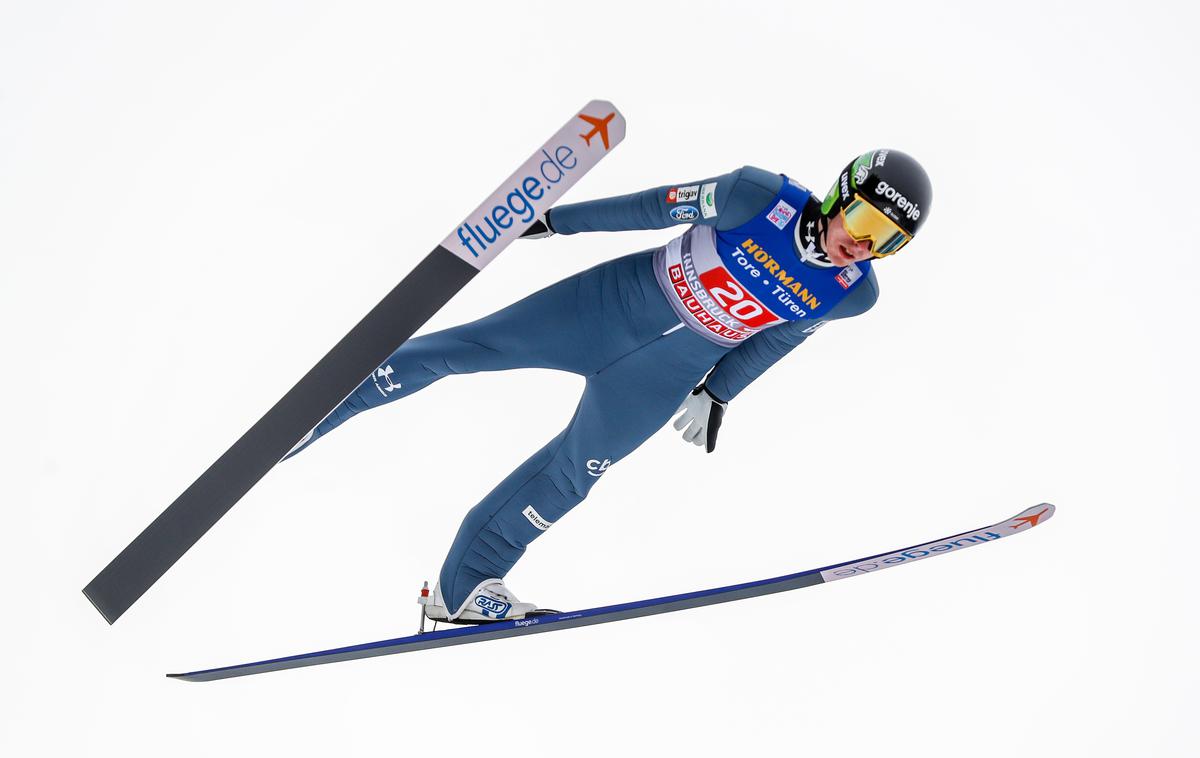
[531, 190]
[1023, 521]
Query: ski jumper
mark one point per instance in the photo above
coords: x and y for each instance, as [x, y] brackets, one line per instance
[745, 284]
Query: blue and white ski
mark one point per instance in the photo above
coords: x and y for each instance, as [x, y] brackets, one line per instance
[1027, 519]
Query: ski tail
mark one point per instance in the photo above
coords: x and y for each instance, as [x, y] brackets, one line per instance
[1023, 521]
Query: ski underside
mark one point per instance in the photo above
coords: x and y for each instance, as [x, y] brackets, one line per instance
[1023, 521]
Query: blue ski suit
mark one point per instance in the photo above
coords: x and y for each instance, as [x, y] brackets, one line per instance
[745, 284]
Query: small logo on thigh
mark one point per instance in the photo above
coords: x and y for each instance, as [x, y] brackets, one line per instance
[597, 467]
[536, 519]
[383, 381]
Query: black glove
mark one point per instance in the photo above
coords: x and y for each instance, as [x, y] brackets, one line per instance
[539, 229]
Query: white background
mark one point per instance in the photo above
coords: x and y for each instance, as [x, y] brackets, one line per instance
[197, 202]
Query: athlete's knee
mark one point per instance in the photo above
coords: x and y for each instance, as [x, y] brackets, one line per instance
[574, 476]
[586, 472]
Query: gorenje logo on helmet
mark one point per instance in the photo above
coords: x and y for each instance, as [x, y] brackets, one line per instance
[908, 207]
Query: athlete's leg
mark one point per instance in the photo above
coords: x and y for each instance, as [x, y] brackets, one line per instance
[622, 405]
[541, 331]
[579, 324]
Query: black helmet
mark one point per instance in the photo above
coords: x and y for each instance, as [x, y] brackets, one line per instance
[883, 196]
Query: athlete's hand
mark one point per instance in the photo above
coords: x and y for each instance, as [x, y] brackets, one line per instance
[539, 229]
[700, 418]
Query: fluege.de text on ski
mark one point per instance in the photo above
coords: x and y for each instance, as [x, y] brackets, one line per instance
[519, 202]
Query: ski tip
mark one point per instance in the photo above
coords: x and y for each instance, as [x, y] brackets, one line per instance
[1031, 517]
[601, 105]
[606, 120]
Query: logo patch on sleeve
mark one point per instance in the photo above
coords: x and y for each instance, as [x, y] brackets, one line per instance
[708, 200]
[536, 519]
[781, 214]
[686, 194]
[849, 275]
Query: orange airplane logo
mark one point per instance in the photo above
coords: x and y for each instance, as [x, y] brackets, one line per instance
[1030, 520]
[599, 126]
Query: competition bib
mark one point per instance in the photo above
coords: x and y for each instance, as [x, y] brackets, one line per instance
[732, 284]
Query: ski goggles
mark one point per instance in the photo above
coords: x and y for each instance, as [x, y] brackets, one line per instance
[865, 222]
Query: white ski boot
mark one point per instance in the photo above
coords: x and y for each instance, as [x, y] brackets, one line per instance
[490, 601]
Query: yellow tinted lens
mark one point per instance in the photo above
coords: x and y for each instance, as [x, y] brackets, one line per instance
[864, 221]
